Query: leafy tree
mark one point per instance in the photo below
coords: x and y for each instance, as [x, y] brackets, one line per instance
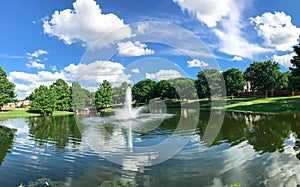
[164, 90]
[103, 96]
[118, 93]
[209, 83]
[295, 69]
[283, 80]
[263, 76]
[185, 88]
[43, 100]
[63, 94]
[78, 97]
[143, 90]
[7, 93]
[234, 81]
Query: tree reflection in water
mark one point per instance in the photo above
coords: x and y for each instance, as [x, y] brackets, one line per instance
[6, 140]
[54, 130]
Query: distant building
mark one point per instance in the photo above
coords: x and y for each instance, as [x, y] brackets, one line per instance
[8, 106]
[247, 87]
[19, 104]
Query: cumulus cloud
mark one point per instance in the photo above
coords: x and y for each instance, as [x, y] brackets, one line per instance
[37, 53]
[164, 75]
[135, 70]
[35, 64]
[99, 71]
[231, 37]
[85, 23]
[209, 12]
[237, 58]
[34, 59]
[284, 60]
[226, 13]
[89, 73]
[133, 49]
[196, 63]
[277, 30]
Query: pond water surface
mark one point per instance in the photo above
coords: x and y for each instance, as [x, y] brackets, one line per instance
[249, 150]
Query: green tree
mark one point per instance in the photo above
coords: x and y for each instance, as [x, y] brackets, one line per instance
[143, 90]
[43, 100]
[209, 83]
[234, 81]
[283, 80]
[164, 90]
[63, 94]
[7, 93]
[118, 93]
[78, 97]
[103, 96]
[185, 88]
[295, 69]
[263, 76]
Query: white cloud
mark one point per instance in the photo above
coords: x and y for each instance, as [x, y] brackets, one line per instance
[164, 75]
[88, 73]
[135, 70]
[34, 59]
[226, 13]
[85, 23]
[209, 12]
[231, 37]
[35, 64]
[99, 71]
[53, 68]
[284, 60]
[37, 53]
[133, 49]
[277, 30]
[237, 58]
[196, 63]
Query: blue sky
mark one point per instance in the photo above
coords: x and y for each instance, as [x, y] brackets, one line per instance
[42, 41]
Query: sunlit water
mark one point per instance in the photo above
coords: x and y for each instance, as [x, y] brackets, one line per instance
[250, 150]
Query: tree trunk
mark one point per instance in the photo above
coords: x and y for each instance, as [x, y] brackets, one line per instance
[266, 94]
[231, 96]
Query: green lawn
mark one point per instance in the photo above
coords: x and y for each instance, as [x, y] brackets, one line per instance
[254, 105]
[25, 113]
[264, 105]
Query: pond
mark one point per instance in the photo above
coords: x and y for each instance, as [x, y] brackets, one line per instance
[249, 150]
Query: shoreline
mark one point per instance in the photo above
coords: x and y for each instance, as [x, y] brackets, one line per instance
[9, 114]
[272, 105]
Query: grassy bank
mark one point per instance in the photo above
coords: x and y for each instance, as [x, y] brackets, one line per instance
[253, 105]
[25, 113]
[261, 105]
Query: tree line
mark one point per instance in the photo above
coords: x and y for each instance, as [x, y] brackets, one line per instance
[263, 76]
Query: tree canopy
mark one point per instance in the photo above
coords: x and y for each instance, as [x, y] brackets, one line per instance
[63, 94]
[209, 83]
[7, 92]
[143, 90]
[185, 88]
[295, 69]
[78, 97]
[165, 90]
[234, 80]
[118, 93]
[263, 75]
[43, 100]
[103, 96]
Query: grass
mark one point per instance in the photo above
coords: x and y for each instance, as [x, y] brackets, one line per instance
[25, 113]
[250, 105]
[264, 105]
